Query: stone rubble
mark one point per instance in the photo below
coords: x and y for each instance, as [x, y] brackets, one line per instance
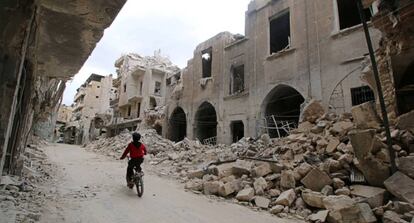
[22, 197]
[330, 169]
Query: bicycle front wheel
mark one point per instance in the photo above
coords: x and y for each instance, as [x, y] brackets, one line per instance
[139, 184]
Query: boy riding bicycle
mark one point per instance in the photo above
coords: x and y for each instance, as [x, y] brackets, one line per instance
[137, 151]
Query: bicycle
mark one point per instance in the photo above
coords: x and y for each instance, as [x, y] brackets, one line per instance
[138, 180]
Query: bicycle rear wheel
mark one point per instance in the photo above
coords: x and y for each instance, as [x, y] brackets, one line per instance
[139, 184]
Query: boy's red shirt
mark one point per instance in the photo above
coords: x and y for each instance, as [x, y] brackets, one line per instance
[134, 152]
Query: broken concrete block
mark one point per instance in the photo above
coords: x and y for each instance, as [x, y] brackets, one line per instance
[320, 216]
[406, 165]
[313, 199]
[362, 141]
[260, 185]
[274, 192]
[338, 183]
[401, 186]
[304, 169]
[196, 185]
[332, 144]
[312, 111]
[406, 121]
[365, 214]
[276, 167]
[241, 167]
[365, 116]
[305, 127]
[211, 187]
[228, 188]
[261, 202]
[341, 209]
[316, 180]
[375, 171]
[392, 217]
[261, 170]
[341, 128]
[286, 198]
[277, 209]
[374, 196]
[223, 170]
[287, 179]
[337, 202]
[246, 194]
[196, 174]
[327, 190]
[343, 191]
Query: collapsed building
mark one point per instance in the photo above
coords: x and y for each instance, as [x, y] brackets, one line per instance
[64, 116]
[42, 45]
[91, 105]
[140, 88]
[292, 52]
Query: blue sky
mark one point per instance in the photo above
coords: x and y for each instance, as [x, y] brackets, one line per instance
[175, 27]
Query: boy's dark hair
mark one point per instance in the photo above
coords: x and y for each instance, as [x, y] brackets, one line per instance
[136, 136]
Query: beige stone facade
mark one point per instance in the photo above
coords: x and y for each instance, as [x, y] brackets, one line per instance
[91, 100]
[140, 86]
[292, 52]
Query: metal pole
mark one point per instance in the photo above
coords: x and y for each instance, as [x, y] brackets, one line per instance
[378, 83]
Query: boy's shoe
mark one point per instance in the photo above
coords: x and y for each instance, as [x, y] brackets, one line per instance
[130, 185]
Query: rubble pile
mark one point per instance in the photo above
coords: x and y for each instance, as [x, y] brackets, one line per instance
[22, 198]
[331, 169]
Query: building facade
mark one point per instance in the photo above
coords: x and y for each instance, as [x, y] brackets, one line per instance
[91, 100]
[293, 51]
[140, 86]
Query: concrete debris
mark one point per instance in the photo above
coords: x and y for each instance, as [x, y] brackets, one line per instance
[320, 216]
[246, 194]
[308, 173]
[401, 186]
[316, 180]
[261, 202]
[22, 197]
[374, 196]
[312, 111]
[286, 198]
[406, 165]
[406, 121]
[365, 116]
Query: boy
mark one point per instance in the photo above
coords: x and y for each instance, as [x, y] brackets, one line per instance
[136, 151]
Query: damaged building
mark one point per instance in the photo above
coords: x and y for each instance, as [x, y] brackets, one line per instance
[292, 52]
[42, 45]
[140, 89]
[91, 103]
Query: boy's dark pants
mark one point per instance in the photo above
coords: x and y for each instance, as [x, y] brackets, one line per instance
[135, 162]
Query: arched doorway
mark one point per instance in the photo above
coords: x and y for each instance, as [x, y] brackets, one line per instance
[206, 124]
[281, 110]
[405, 90]
[177, 125]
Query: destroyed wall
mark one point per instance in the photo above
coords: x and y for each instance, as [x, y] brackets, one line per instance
[37, 56]
[92, 98]
[141, 89]
[291, 54]
[395, 58]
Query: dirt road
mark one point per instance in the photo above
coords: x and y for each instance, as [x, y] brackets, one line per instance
[91, 189]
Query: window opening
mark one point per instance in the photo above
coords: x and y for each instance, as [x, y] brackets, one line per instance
[237, 80]
[280, 33]
[348, 14]
[361, 95]
[206, 58]
[157, 89]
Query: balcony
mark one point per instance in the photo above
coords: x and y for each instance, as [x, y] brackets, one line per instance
[138, 71]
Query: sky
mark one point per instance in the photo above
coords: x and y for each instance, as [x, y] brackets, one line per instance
[175, 27]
